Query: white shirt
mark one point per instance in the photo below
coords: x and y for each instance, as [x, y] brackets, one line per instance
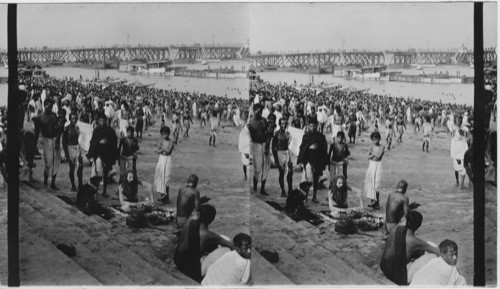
[68, 112]
[265, 112]
[438, 273]
[230, 269]
[278, 115]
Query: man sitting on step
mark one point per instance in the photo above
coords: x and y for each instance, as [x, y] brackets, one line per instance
[403, 250]
[196, 241]
[128, 190]
[296, 198]
[86, 196]
[441, 271]
[233, 268]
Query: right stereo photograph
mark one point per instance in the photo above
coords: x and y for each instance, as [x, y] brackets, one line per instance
[360, 156]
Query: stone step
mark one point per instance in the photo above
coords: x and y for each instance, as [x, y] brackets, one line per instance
[137, 269]
[41, 263]
[356, 261]
[89, 261]
[90, 223]
[336, 269]
[156, 262]
[51, 202]
[296, 270]
[264, 273]
[327, 240]
[316, 258]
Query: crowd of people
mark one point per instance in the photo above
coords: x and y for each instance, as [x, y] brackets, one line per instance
[98, 125]
[287, 129]
[282, 112]
[281, 125]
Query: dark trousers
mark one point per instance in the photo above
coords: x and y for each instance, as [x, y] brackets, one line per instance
[29, 143]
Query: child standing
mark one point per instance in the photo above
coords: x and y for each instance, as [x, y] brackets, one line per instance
[204, 117]
[128, 148]
[187, 121]
[214, 127]
[177, 129]
[338, 154]
[376, 122]
[389, 130]
[164, 166]
[427, 128]
[374, 173]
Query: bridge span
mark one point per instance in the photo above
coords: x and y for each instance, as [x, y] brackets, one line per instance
[365, 58]
[130, 53]
[399, 58]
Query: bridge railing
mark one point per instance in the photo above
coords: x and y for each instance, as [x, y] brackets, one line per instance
[111, 46]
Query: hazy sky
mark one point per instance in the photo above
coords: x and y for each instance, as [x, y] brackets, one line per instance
[105, 24]
[269, 26]
[322, 26]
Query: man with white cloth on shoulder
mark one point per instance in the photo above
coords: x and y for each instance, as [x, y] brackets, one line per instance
[244, 148]
[233, 268]
[441, 271]
[457, 152]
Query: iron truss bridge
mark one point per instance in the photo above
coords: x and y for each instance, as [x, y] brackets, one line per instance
[367, 58]
[130, 53]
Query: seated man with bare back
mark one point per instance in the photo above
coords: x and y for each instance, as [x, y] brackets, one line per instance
[397, 206]
[404, 253]
[188, 200]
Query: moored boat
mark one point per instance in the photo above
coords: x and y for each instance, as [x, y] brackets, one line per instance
[33, 71]
[354, 90]
[422, 66]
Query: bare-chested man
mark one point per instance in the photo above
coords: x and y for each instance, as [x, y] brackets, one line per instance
[281, 140]
[402, 248]
[397, 206]
[188, 200]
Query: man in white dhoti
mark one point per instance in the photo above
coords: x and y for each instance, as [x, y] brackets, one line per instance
[237, 117]
[322, 117]
[451, 123]
[457, 151]
[374, 173]
[164, 165]
[244, 149]
[109, 111]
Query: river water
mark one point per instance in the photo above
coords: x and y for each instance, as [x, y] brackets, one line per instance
[452, 93]
[238, 88]
[232, 88]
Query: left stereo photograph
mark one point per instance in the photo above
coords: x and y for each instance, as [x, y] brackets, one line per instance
[130, 166]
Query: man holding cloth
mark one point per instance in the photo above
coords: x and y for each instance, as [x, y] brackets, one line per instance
[103, 150]
[313, 156]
